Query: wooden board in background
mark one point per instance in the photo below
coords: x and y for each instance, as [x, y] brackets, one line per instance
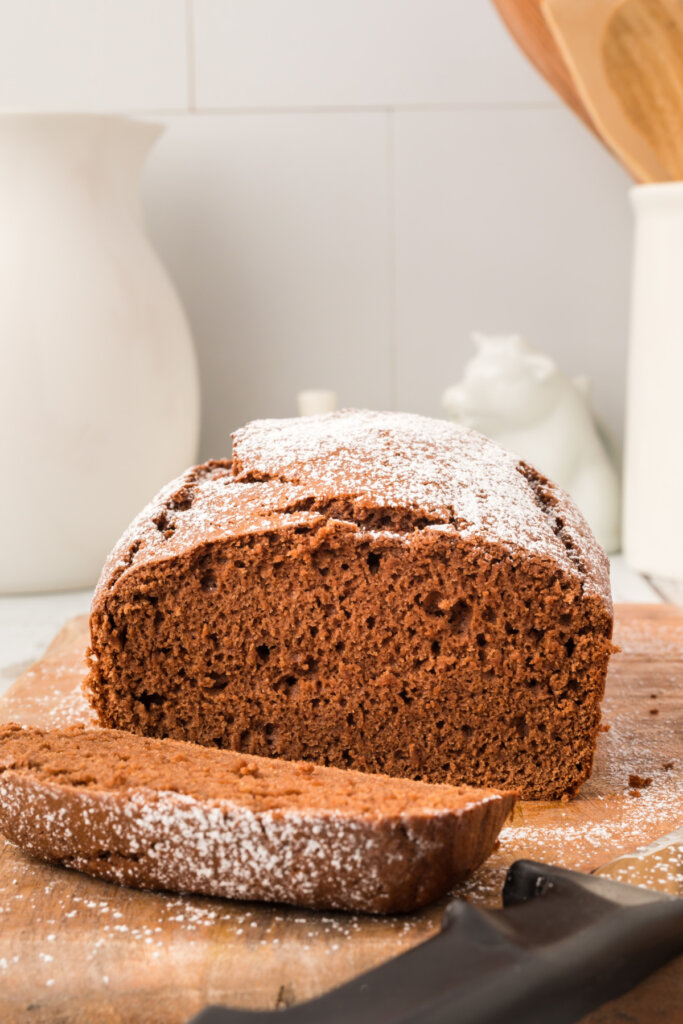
[73, 949]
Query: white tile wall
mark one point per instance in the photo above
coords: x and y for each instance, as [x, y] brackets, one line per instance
[508, 220]
[347, 188]
[94, 54]
[277, 53]
[276, 230]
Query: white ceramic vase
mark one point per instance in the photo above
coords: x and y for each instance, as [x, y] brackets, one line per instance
[99, 399]
[653, 470]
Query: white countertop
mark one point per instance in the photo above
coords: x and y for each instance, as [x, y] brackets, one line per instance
[29, 622]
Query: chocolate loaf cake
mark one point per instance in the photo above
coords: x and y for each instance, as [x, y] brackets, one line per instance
[369, 590]
[166, 815]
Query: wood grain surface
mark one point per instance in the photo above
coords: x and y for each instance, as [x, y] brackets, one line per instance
[593, 46]
[526, 24]
[73, 949]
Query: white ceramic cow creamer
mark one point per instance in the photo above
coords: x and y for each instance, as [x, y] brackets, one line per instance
[520, 398]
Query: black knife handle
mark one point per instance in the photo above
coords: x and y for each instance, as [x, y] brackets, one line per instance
[564, 944]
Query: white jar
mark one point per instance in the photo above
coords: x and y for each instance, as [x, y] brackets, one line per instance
[653, 471]
[99, 400]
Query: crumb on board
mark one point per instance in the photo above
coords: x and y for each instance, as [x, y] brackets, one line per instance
[639, 782]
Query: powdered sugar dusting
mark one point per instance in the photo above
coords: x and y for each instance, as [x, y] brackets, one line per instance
[458, 479]
[406, 461]
[170, 840]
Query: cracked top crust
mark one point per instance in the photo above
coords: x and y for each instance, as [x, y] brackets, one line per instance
[436, 474]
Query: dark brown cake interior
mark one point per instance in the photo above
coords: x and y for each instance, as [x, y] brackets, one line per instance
[403, 650]
[111, 760]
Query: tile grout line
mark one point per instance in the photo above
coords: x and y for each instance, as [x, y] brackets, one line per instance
[391, 253]
[369, 108]
[190, 57]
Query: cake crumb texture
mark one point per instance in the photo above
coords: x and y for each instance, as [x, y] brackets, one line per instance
[378, 591]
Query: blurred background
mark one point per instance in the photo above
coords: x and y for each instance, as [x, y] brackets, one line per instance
[346, 189]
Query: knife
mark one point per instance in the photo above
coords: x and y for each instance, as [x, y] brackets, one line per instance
[563, 944]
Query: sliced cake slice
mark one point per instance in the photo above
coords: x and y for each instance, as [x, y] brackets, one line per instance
[164, 814]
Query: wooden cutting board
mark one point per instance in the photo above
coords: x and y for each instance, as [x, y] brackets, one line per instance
[77, 950]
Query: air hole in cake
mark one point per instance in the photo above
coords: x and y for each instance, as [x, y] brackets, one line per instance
[218, 682]
[208, 581]
[300, 529]
[510, 630]
[466, 730]
[244, 739]
[373, 561]
[436, 648]
[263, 651]
[521, 726]
[104, 855]
[313, 630]
[370, 622]
[270, 729]
[350, 718]
[570, 646]
[339, 646]
[432, 603]
[460, 616]
[287, 685]
[344, 566]
[405, 697]
[150, 700]
[481, 639]
[239, 564]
